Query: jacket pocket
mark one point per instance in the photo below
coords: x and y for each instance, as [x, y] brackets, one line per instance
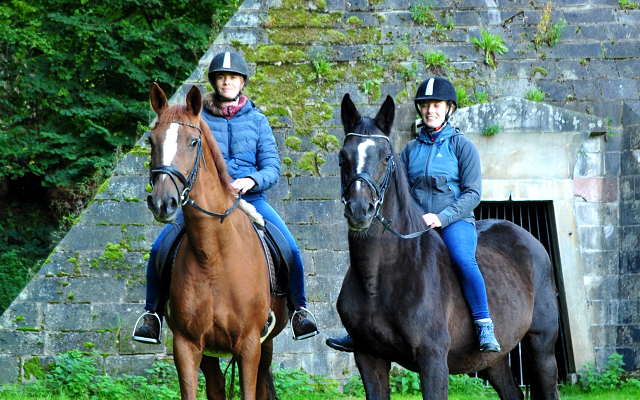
[443, 194]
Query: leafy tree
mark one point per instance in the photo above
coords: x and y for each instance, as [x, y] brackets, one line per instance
[74, 81]
[75, 76]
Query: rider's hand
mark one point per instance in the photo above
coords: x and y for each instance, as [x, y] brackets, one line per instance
[432, 220]
[243, 184]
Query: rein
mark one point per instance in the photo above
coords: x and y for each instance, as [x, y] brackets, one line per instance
[191, 180]
[378, 190]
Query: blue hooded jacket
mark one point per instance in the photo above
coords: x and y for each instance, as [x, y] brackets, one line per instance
[444, 175]
[246, 142]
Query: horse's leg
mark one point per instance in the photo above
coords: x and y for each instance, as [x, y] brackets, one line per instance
[187, 359]
[263, 370]
[434, 374]
[214, 377]
[248, 362]
[375, 375]
[540, 346]
[500, 377]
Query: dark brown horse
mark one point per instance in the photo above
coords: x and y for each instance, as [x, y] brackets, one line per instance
[220, 295]
[401, 300]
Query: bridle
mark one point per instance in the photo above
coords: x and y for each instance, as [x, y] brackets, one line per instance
[191, 180]
[378, 190]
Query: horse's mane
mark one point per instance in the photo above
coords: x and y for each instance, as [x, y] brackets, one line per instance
[406, 204]
[178, 112]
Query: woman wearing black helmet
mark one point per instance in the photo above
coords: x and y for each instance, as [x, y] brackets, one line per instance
[249, 148]
[443, 168]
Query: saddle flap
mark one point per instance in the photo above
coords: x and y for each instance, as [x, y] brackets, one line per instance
[169, 247]
[280, 249]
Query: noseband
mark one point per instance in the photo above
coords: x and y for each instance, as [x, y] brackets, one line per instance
[191, 180]
[378, 190]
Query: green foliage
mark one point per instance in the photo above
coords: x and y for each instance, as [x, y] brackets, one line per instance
[421, 13]
[77, 79]
[293, 142]
[464, 99]
[435, 59]
[539, 70]
[295, 381]
[546, 32]
[481, 97]
[627, 4]
[491, 45]
[491, 130]
[612, 377]
[535, 94]
[404, 381]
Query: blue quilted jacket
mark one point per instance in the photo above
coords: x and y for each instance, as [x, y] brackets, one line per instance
[247, 144]
[444, 174]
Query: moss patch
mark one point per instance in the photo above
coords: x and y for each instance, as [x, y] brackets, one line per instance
[33, 368]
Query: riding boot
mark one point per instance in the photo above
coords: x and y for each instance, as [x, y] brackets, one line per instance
[149, 331]
[488, 342]
[344, 343]
[302, 326]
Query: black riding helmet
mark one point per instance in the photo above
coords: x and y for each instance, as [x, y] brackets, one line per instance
[228, 62]
[436, 88]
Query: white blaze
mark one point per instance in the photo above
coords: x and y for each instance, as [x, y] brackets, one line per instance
[170, 146]
[362, 153]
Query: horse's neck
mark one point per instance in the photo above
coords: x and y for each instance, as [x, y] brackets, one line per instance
[211, 195]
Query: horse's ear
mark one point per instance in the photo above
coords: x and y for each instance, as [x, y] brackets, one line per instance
[384, 119]
[158, 98]
[349, 114]
[194, 100]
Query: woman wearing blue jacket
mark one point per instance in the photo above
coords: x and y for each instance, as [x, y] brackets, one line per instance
[443, 168]
[249, 149]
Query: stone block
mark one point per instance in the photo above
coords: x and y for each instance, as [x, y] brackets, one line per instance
[316, 237]
[603, 69]
[331, 263]
[588, 214]
[62, 342]
[132, 165]
[631, 113]
[129, 365]
[396, 18]
[87, 237]
[603, 335]
[117, 212]
[630, 162]
[68, 317]
[315, 188]
[630, 357]
[628, 68]
[590, 15]
[99, 289]
[141, 237]
[125, 187]
[572, 70]
[555, 90]
[595, 189]
[612, 164]
[114, 316]
[314, 212]
[316, 288]
[628, 335]
[279, 191]
[601, 262]
[630, 212]
[466, 18]
[586, 89]
[623, 49]
[601, 287]
[628, 312]
[60, 264]
[21, 342]
[630, 287]
[44, 289]
[244, 18]
[21, 315]
[604, 312]
[574, 50]
[9, 369]
[627, 188]
[630, 260]
[619, 89]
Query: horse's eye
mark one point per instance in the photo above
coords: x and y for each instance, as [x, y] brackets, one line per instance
[388, 158]
[194, 143]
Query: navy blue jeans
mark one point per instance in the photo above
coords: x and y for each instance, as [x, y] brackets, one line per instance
[296, 279]
[462, 239]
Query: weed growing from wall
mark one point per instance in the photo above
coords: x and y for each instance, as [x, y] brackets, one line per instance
[491, 45]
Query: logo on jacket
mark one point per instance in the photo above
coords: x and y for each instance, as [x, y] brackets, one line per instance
[438, 155]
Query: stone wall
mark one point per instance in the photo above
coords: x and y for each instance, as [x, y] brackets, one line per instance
[304, 56]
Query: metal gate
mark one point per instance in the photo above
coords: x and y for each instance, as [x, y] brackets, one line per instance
[537, 218]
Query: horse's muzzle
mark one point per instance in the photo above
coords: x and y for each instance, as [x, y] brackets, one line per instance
[164, 208]
[359, 215]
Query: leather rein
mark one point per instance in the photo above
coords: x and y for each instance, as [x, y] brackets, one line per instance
[191, 180]
[378, 190]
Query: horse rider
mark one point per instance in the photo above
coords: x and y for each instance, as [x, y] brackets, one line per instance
[443, 168]
[249, 148]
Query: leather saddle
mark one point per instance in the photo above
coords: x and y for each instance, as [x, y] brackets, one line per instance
[273, 241]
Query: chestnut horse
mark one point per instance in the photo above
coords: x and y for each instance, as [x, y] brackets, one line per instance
[401, 300]
[220, 295]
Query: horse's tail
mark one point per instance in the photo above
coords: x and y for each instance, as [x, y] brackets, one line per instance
[232, 381]
[271, 388]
